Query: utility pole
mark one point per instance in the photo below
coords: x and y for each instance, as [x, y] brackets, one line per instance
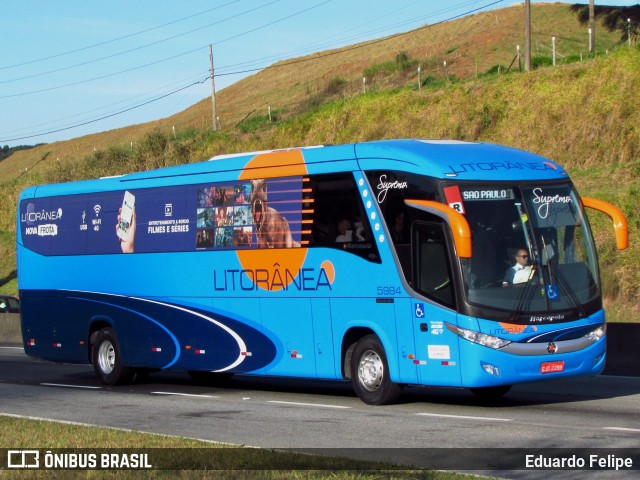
[215, 122]
[592, 27]
[527, 35]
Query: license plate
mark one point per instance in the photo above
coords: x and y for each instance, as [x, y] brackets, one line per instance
[552, 367]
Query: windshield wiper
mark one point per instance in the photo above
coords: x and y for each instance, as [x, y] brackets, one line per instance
[524, 293]
[562, 282]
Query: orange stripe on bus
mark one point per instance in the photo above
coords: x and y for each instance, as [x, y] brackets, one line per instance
[286, 163]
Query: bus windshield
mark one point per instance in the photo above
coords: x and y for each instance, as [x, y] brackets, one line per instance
[532, 249]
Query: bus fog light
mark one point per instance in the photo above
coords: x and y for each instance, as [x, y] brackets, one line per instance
[597, 359]
[490, 369]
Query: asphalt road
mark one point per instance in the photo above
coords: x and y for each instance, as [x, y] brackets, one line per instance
[586, 413]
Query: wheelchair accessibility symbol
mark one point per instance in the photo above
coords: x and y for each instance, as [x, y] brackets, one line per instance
[552, 291]
[419, 310]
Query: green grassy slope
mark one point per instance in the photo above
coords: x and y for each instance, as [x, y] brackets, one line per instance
[470, 46]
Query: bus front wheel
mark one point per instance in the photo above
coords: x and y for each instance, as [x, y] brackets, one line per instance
[107, 359]
[370, 373]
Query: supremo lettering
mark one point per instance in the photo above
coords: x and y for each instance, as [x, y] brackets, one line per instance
[306, 279]
[384, 187]
[545, 201]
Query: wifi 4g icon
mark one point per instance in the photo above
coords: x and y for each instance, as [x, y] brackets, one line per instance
[96, 222]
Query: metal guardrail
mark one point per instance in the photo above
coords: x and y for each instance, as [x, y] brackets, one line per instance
[10, 330]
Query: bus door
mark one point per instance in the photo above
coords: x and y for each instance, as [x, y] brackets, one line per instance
[437, 353]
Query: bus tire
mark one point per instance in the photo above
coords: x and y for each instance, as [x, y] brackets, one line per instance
[490, 392]
[370, 373]
[107, 359]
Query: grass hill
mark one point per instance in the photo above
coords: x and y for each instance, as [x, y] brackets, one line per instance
[580, 113]
[471, 46]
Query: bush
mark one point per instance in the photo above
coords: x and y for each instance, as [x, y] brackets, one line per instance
[538, 61]
[336, 85]
[402, 64]
[494, 70]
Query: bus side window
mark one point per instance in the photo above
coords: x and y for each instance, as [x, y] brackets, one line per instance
[339, 218]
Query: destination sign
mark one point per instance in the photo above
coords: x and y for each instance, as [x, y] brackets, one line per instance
[487, 194]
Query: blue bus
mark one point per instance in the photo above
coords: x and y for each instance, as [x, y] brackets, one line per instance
[387, 263]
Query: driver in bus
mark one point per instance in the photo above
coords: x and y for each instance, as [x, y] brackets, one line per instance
[520, 272]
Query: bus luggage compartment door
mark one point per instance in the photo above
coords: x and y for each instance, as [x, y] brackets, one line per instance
[290, 321]
[437, 354]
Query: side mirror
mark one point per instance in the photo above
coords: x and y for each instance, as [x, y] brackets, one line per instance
[456, 221]
[620, 226]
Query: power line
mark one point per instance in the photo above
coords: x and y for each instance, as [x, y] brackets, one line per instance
[79, 82]
[342, 40]
[116, 39]
[88, 62]
[355, 47]
[292, 53]
[111, 105]
[107, 116]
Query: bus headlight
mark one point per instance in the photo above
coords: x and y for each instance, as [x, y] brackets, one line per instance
[479, 338]
[596, 334]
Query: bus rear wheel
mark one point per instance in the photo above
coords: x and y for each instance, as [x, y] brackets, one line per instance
[370, 373]
[107, 359]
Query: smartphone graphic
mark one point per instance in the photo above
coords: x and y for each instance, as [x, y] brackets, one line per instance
[126, 215]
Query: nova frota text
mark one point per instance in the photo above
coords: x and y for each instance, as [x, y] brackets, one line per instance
[305, 279]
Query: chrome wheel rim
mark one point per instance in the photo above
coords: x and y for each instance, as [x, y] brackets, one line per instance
[370, 371]
[106, 357]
